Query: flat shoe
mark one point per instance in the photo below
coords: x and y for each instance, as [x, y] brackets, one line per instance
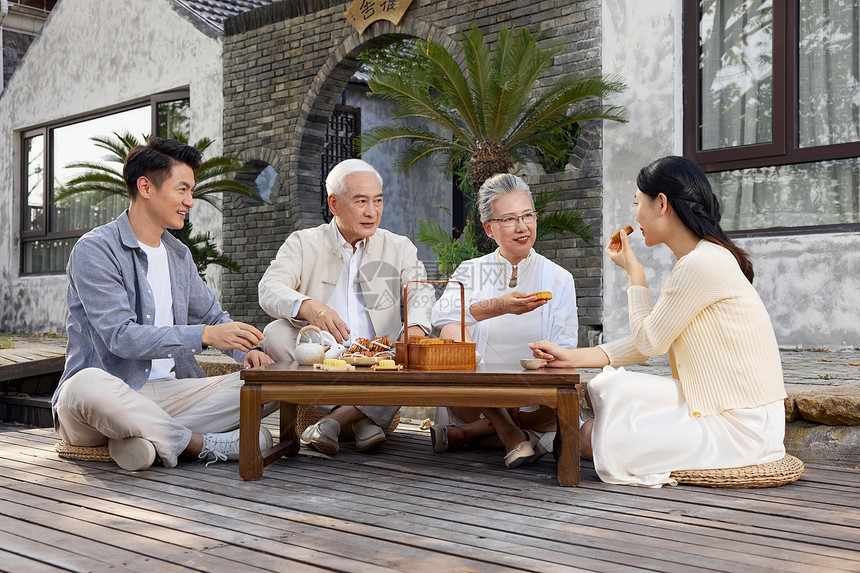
[439, 437]
[519, 455]
[542, 443]
[367, 434]
[322, 436]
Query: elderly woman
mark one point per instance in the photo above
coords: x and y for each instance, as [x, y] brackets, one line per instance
[503, 316]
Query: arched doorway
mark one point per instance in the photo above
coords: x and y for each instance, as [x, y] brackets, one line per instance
[287, 65]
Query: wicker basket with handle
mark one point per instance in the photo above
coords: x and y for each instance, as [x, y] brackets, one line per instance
[447, 356]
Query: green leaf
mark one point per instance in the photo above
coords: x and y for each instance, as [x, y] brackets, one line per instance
[432, 234]
[478, 66]
[565, 221]
[452, 84]
[450, 252]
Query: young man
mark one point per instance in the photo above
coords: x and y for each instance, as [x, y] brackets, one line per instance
[138, 315]
[345, 277]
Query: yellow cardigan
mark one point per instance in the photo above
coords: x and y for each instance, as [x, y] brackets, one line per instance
[716, 329]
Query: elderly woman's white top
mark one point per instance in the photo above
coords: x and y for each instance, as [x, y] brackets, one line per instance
[505, 338]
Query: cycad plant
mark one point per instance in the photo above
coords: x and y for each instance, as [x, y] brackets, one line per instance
[493, 108]
[104, 180]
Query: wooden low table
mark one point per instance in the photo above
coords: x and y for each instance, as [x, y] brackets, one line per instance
[490, 385]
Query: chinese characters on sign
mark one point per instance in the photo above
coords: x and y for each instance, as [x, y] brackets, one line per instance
[363, 13]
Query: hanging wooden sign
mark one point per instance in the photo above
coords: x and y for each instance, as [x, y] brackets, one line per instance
[363, 13]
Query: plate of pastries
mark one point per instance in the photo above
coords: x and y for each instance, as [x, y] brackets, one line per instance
[367, 352]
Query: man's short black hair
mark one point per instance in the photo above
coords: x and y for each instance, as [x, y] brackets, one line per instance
[155, 161]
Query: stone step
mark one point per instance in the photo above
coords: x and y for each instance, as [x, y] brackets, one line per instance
[831, 405]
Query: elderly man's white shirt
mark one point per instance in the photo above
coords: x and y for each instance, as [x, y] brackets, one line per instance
[347, 300]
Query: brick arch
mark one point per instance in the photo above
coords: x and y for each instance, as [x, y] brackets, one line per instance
[325, 90]
[258, 156]
[267, 154]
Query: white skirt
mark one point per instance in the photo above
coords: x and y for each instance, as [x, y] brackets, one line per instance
[643, 431]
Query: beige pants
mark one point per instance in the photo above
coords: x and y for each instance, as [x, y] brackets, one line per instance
[280, 344]
[94, 406]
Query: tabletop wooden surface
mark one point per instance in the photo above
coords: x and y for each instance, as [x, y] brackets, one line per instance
[484, 374]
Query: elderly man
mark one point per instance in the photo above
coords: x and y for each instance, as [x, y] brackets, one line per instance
[346, 277]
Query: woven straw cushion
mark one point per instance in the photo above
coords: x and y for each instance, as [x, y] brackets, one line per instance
[309, 415]
[83, 453]
[780, 472]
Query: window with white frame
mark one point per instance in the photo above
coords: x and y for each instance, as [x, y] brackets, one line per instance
[50, 229]
[772, 110]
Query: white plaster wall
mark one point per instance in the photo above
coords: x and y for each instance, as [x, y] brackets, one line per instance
[639, 44]
[93, 55]
[811, 287]
[810, 284]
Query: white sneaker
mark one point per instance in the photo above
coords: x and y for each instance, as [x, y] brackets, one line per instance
[225, 446]
[132, 454]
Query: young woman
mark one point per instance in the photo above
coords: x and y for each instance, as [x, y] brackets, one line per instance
[502, 317]
[723, 408]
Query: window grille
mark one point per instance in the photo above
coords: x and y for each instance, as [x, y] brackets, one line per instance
[343, 126]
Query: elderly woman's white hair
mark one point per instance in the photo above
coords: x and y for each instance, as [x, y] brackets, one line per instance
[335, 184]
[496, 186]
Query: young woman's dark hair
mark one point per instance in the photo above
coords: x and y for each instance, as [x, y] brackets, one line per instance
[690, 194]
[155, 161]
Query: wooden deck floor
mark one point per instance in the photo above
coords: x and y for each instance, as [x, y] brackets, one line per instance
[407, 509]
[30, 360]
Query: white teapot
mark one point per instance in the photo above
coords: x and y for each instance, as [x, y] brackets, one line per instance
[308, 353]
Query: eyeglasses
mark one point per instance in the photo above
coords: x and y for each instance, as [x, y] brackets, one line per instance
[511, 220]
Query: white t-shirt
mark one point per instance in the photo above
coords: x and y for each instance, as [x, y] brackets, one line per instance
[158, 277]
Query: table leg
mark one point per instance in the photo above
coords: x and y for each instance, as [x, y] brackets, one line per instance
[568, 428]
[250, 412]
[288, 428]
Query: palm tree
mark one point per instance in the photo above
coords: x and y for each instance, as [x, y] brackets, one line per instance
[493, 108]
[104, 180]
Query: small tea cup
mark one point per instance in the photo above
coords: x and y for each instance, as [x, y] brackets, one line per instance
[531, 363]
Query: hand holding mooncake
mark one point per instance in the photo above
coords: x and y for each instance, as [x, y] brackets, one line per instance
[546, 295]
[616, 236]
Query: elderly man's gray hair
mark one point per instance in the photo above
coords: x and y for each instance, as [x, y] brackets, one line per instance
[335, 182]
[496, 186]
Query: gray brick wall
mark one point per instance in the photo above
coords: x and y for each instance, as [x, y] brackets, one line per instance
[286, 65]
